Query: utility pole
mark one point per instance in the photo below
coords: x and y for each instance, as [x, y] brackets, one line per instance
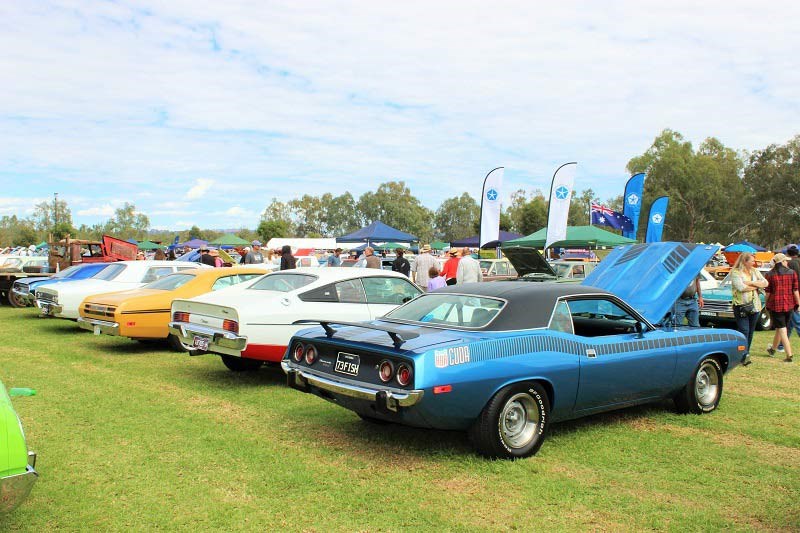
[55, 211]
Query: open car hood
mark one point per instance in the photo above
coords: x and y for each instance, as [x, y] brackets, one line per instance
[118, 249]
[650, 277]
[528, 260]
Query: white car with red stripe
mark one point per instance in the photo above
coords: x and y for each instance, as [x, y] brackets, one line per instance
[251, 323]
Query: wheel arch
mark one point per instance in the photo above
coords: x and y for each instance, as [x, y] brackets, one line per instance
[549, 389]
[721, 358]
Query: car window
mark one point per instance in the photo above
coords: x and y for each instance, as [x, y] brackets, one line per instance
[501, 268]
[110, 272]
[511, 270]
[449, 309]
[282, 282]
[578, 271]
[153, 273]
[561, 319]
[225, 281]
[350, 291]
[598, 317]
[171, 282]
[389, 290]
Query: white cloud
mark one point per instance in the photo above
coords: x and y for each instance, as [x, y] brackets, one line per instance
[268, 100]
[106, 211]
[200, 188]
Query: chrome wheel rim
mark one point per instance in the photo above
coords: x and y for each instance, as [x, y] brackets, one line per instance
[707, 384]
[519, 420]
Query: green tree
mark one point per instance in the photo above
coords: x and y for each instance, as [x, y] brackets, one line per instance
[579, 207]
[393, 204]
[772, 181]
[456, 218]
[53, 218]
[278, 211]
[128, 223]
[268, 229]
[705, 188]
[340, 214]
[527, 215]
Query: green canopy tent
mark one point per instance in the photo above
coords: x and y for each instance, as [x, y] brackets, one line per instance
[229, 239]
[149, 245]
[439, 245]
[41, 245]
[391, 246]
[577, 237]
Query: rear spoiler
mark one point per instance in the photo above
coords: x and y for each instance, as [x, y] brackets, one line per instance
[399, 336]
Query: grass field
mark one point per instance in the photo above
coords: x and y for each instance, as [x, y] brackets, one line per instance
[134, 437]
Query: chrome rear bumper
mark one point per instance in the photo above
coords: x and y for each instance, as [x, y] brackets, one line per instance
[98, 326]
[219, 341]
[14, 489]
[391, 400]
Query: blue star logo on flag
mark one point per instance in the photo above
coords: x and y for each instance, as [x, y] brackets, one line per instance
[633, 199]
[562, 193]
[657, 218]
[491, 194]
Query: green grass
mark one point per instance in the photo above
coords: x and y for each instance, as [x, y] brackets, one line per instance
[134, 437]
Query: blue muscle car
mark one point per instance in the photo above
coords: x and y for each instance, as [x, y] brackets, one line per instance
[23, 289]
[504, 360]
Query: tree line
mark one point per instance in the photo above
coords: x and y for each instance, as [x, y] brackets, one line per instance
[717, 194]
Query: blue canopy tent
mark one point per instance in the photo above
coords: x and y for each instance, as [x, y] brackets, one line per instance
[195, 243]
[472, 242]
[377, 232]
[755, 247]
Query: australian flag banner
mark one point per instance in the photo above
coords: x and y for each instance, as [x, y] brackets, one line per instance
[603, 216]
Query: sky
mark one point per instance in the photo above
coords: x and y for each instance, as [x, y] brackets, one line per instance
[202, 113]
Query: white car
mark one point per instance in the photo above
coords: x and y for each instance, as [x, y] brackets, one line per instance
[252, 323]
[63, 300]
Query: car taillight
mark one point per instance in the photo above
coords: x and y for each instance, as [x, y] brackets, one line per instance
[386, 371]
[180, 316]
[230, 325]
[311, 355]
[403, 374]
[297, 353]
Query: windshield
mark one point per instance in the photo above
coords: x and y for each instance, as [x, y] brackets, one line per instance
[486, 265]
[171, 282]
[110, 272]
[11, 263]
[282, 282]
[451, 309]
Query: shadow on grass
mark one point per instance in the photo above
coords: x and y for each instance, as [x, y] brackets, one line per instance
[58, 325]
[219, 376]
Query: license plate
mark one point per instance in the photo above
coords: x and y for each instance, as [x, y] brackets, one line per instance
[347, 363]
[96, 330]
[200, 343]
[707, 313]
[45, 309]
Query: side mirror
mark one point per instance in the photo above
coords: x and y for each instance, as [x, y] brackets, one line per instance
[639, 330]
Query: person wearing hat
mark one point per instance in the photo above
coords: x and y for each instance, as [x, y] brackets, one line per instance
[254, 256]
[214, 254]
[782, 298]
[422, 266]
[205, 257]
[450, 268]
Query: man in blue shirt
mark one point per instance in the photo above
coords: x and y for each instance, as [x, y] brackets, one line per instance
[333, 259]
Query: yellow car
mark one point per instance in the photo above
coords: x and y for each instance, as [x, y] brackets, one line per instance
[144, 313]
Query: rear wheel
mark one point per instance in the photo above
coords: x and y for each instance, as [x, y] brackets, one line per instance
[703, 391]
[514, 422]
[240, 364]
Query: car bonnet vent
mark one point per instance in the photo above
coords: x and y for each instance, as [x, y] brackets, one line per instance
[632, 253]
[677, 256]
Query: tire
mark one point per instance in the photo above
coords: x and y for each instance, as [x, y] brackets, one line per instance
[175, 344]
[15, 301]
[514, 423]
[764, 321]
[240, 364]
[703, 391]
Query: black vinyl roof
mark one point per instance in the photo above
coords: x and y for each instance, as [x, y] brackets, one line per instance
[529, 304]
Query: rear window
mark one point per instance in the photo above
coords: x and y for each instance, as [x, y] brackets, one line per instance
[171, 282]
[456, 310]
[282, 282]
[110, 272]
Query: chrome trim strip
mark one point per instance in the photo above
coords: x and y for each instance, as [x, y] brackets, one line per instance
[98, 326]
[394, 398]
